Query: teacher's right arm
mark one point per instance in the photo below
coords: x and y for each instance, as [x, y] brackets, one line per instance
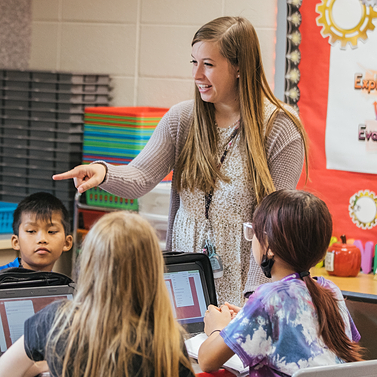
[147, 169]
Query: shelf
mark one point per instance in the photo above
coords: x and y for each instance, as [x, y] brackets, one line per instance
[5, 243]
[362, 283]
[98, 208]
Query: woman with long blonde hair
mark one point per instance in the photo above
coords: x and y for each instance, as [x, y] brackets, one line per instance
[229, 147]
[120, 321]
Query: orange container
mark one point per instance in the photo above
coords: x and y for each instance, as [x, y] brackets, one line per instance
[343, 259]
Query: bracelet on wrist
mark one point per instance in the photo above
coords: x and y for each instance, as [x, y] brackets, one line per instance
[214, 332]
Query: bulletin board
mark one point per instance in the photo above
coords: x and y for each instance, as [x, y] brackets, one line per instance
[331, 79]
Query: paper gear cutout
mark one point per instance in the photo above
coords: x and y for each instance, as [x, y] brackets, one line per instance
[345, 36]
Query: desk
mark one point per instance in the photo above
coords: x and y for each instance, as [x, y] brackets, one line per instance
[360, 293]
[362, 283]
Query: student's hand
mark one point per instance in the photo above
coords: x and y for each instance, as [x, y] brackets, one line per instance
[84, 176]
[233, 309]
[216, 318]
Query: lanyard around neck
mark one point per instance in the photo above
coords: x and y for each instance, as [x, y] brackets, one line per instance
[208, 196]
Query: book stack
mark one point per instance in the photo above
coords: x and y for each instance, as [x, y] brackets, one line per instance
[41, 129]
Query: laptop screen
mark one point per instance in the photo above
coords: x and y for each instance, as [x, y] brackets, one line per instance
[17, 305]
[188, 294]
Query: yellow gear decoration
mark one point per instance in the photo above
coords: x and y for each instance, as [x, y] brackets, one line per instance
[372, 3]
[335, 33]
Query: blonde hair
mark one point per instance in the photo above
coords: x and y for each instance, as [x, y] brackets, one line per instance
[121, 308]
[197, 165]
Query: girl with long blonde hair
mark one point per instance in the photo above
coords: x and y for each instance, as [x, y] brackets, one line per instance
[229, 147]
[120, 321]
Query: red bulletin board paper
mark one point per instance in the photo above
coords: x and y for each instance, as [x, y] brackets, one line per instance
[335, 187]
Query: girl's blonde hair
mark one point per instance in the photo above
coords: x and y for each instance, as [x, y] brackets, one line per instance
[197, 166]
[121, 308]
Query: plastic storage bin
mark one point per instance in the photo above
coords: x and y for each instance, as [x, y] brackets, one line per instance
[6, 216]
[154, 207]
[160, 225]
[117, 134]
[100, 198]
[53, 77]
[89, 217]
[157, 201]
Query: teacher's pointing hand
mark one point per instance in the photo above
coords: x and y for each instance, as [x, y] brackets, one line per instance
[84, 176]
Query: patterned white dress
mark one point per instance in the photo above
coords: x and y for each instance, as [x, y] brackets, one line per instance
[230, 207]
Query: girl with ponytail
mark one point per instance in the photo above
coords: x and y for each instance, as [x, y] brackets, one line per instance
[295, 321]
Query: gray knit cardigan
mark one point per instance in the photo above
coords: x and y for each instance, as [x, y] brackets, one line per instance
[284, 148]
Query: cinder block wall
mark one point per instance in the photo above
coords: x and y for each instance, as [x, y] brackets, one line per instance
[143, 44]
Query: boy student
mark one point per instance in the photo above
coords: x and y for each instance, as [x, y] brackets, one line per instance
[40, 232]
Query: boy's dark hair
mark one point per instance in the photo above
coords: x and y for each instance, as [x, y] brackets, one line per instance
[297, 226]
[42, 204]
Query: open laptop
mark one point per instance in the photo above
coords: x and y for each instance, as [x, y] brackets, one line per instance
[189, 295]
[18, 304]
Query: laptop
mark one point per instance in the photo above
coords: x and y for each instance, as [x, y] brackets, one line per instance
[18, 304]
[189, 295]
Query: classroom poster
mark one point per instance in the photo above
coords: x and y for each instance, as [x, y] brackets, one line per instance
[337, 101]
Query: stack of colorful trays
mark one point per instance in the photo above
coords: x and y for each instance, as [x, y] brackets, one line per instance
[117, 135]
[41, 129]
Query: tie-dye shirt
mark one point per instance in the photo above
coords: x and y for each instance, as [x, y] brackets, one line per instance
[275, 333]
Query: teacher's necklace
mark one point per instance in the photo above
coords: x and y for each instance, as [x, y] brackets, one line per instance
[209, 245]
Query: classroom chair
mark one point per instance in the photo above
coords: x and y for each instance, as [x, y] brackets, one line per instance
[366, 368]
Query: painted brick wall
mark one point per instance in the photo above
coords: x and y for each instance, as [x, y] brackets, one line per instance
[15, 33]
[143, 44]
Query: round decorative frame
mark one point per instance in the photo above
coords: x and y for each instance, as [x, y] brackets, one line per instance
[363, 209]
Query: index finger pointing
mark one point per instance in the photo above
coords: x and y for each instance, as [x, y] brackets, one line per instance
[66, 175]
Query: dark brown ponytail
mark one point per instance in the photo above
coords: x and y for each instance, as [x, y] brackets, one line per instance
[331, 323]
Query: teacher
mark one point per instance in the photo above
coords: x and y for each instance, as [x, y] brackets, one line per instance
[229, 147]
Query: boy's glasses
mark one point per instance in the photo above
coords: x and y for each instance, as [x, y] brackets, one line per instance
[248, 231]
